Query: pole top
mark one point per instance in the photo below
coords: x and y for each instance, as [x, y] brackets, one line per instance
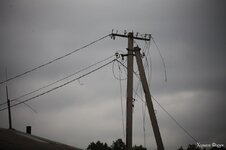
[138, 36]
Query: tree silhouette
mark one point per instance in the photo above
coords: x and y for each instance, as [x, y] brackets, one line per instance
[98, 146]
[139, 147]
[193, 147]
[181, 148]
[216, 148]
[118, 145]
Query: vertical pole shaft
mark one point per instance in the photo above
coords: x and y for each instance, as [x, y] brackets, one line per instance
[8, 104]
[148, 99]
[129, 102]
[9, 109]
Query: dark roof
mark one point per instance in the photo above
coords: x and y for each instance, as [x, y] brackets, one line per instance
[16, 140]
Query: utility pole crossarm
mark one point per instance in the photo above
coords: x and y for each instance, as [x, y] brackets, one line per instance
[134, 37]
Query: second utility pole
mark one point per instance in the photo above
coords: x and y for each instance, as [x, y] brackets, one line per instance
[8, 103]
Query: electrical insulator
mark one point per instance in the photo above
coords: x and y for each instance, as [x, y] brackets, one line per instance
[137, 34]
[125, 32]
[117, 55]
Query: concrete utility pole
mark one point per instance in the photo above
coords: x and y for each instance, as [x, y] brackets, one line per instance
[148, 99]
[129, 101]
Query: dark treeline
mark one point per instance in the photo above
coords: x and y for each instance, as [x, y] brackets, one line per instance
[116, 145]
[120, 145]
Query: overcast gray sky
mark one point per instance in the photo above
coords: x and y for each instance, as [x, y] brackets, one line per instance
[192, 38]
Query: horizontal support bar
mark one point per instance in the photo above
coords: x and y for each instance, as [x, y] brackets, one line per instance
[126, 36]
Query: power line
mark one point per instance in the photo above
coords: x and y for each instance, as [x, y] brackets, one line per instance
[175, 120]
[59, 80]
[114, 75]
[169, 116]
[62, 85]
[56, 59]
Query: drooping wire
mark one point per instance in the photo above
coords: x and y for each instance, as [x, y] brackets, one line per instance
[119, 78]
[126, 67]
[149, 63]
[122, 111]
[50, 62]
[62, 85]
[48, 85]
[29, 106]
[163, 62]
[113, 72]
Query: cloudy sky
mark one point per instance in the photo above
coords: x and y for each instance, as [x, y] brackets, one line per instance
[190, 34]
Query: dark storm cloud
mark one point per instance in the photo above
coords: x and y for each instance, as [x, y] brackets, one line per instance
[190, 34]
